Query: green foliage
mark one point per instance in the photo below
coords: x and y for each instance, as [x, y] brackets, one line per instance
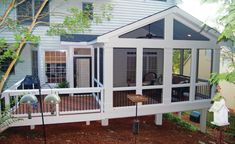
[176, 59]
[180, 122]
[226, 18]
[217, 96]
[7, 119]
[216, 78]
[63, 84]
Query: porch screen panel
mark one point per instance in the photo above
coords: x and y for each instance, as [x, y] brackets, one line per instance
[181, 66]
[183, 32]
[95, 63]
[124, 67]
[204, 69]
[153, 60]
[101, 65]
[55, 62]
[154, 96]
[153, 30]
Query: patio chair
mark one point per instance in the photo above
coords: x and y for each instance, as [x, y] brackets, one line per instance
[149, 78]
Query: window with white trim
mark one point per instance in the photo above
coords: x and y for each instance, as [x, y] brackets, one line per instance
[55, 62]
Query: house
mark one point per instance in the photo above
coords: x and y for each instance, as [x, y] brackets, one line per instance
[150, 47]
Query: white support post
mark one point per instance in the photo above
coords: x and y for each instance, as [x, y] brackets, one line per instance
[108, 82]
[139, 71]
[32, 127]
[203, 118]
[158, 119]
[41, 65]
[57, 110]
[98, 64]
[167, 76]
[88, 122]
[93, 66]
[7, 101]
[180, 115]
[70, 75]
[105, 122]
[193, 74]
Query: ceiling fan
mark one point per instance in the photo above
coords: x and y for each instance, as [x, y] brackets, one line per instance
[149, 35]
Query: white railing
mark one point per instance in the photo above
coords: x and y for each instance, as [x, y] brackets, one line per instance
[73, 100]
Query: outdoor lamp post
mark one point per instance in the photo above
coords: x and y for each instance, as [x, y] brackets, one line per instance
[29, 99]
[52, 100]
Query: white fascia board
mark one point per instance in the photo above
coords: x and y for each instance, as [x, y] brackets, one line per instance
[73, 43]
[135, 25]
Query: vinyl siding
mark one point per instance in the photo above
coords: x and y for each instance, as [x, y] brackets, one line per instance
[23, 67]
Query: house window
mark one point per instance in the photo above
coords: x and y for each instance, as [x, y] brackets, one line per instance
[183, 32]
[154, 30]
[87, 8]
[55, 66]
[28, 9]
[152, 66]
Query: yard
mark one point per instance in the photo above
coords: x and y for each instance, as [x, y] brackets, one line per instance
[118, 131]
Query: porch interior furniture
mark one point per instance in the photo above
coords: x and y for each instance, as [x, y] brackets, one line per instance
[136, 98]
[180, 79]
[150, 78]
[180, 94]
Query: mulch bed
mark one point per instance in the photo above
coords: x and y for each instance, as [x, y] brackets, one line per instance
[119, 131]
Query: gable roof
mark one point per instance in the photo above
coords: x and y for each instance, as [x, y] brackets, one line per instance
[157, 16]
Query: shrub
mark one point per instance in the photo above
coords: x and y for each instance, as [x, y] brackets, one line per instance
[180, 122]
[63, 84]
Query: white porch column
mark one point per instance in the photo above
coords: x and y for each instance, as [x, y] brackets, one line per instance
[180, 115]
[168, 53]
[158, 119]
[193, 74]
[203, 118]
[98, 64]
[108, 82]
[139, 71]
[70, 63]
[41, 65]
[167, 76]
[105, 122]
[32, 127]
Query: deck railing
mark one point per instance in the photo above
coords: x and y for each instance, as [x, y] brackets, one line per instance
[73, 100]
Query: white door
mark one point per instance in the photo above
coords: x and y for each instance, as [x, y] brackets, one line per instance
[82, 73]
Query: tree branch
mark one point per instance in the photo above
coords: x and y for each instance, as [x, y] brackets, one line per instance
[10, 7]
[22, 43]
